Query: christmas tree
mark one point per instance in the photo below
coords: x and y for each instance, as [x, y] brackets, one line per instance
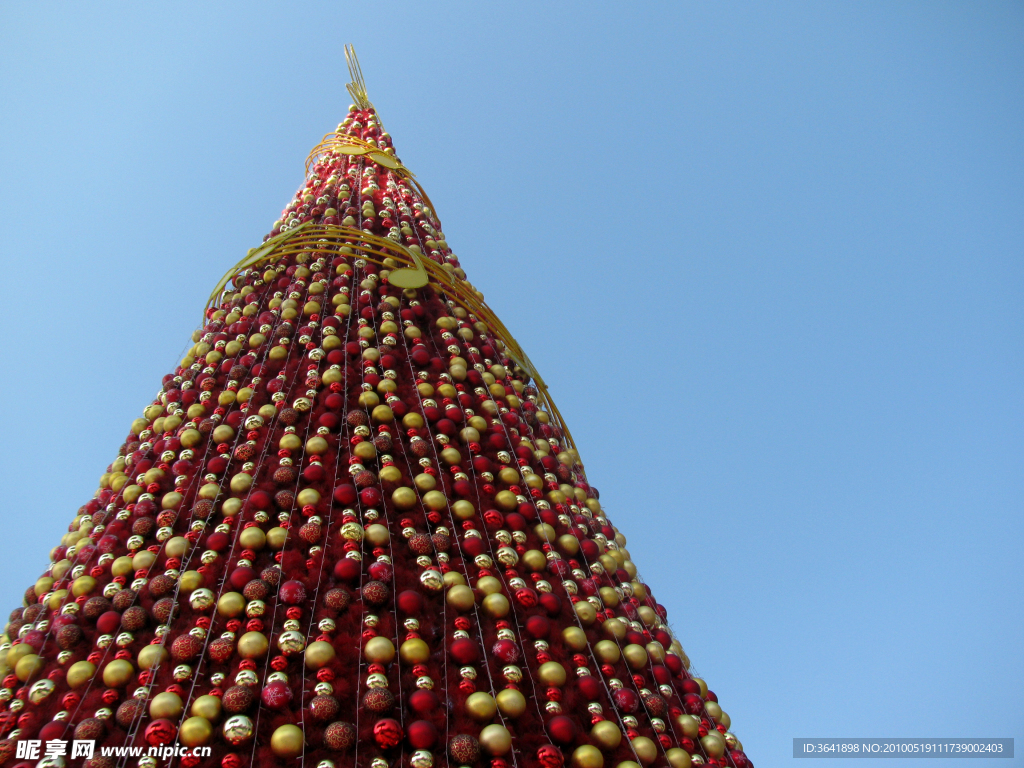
[351, 530]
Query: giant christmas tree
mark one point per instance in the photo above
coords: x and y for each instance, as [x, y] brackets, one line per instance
[351, 530]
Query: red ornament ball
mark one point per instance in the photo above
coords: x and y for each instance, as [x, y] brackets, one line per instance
[160, 732]
[292, 593]
[346, 569]
[423, 702]
[410, 602]
[562, 729]
[277, 695]
[421, 734]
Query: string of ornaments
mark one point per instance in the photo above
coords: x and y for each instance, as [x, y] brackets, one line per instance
[347, 532]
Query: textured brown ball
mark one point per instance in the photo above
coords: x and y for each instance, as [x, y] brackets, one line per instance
[134, 619]
[160, 586]
[271, 575]
[220, 650]
[379, 700]
[257, 589]
[123, 600]
[90, 729]
[162, 609]
[376, 593]
[94, 607]
[237, 699]
[69, 636]
[442, 542]
[655, 705]
[129, 711]
[337, 599]
[340, 736]
[464, 749]
[186, 648]
[420, 544]
[324, 708]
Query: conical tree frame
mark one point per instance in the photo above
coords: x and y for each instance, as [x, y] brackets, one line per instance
[351, 530]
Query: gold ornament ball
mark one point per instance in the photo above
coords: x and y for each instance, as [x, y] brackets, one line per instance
[586, 613]
[647, 615]
[176, 546]
[607, 651]
[656, 651]
[460, 597]
[117, 673]
[319, 654]
[481, 706]
[231, 604]
[506, 500]
[378, 535]
[614, 628]
[645, 749]
[636, 656]
[496, 605]
[414, 651]
[80, 673]
[535, 560]
[713, 744]
[703, 687]
[606, 735]
[551, 673]
[463, 509]
[190, 581]
[379, 650]
[167, 705]
[195, 732]
[569, 544]
[253, 538]
[435, 500]
[276, 538]
[453, 578]
[252, 645]
[587, 756]
[27, 666]
[404, 498]
[678, 758]
[287, 741]
[689, 725]
[574, 638]
[628, 764]
[83, 585]
[714, 711]
[495, 740]
[488, 585]
[544, 532]
[609, 596]
[725, 721]
[206, 707]
[511, 703]
[16, 652]
[308, 497]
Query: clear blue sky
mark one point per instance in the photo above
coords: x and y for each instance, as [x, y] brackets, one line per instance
[767, 256]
